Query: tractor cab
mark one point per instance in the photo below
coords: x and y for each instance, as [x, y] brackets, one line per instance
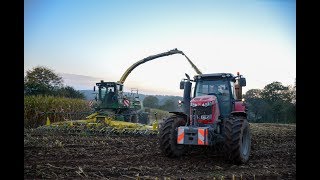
[109, 95]
[222, 86]
[215, 95]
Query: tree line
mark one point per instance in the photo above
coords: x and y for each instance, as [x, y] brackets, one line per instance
[170, 104]
[274, 103]
[43, 81]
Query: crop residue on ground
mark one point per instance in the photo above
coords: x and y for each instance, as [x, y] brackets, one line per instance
[59, 155]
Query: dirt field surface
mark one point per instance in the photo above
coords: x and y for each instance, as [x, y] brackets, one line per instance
[50, 155]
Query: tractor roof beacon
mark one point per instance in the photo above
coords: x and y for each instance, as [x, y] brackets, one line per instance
[215, 116]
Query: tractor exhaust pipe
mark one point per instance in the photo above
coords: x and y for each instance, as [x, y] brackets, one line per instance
[186, 97]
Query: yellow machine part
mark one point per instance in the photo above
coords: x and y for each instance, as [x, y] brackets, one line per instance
[108, 122]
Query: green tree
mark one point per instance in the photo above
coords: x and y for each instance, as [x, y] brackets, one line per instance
[274, 103]
[41, 80]
[292, 109]
[293, 89]
[69, 92]
[258, 108]
[151, 102]
[290, 112]
[169, 105]
[280, 99]
[275, 91]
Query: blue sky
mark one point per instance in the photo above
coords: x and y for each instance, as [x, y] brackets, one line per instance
[100, 39]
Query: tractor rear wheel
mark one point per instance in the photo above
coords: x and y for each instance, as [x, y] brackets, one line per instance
[168, 137]
[237, 139]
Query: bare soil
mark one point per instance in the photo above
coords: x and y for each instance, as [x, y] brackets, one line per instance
[50, 155]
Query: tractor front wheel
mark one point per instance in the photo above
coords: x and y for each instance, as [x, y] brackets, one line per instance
[130, 115]
[237, 139]
[168, 137]
[143, 118]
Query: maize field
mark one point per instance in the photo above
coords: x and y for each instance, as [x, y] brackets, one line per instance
[38, 108]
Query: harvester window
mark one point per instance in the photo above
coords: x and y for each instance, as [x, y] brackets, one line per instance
[118, 87]
[111, 95]
[102, 92]
[110, 89]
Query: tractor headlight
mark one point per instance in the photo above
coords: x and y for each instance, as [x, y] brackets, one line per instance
[206, 117]
[207, 104]
[193, 104]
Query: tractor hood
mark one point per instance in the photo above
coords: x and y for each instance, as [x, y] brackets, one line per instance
[203, 100]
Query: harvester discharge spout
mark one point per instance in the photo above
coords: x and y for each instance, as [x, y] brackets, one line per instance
[149, 58]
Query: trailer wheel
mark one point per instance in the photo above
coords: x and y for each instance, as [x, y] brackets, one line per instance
[168, 137]
[237, 139]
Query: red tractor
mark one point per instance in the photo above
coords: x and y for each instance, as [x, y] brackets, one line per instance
[215, 116]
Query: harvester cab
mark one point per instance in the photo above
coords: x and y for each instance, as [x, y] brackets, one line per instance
[110, 96]
[216, 116]
[112, 101]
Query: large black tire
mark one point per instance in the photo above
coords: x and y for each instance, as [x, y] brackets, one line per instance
[134, 117]
[237, 135]
[144, 118]
[126, 116]
[168, 137]
[130, 115]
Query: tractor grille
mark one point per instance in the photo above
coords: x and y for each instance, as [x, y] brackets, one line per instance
[201, 110]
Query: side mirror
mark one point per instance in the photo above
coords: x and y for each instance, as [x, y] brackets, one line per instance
[94, 88]
[242, 81]
[120, 89]
[181, 84]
